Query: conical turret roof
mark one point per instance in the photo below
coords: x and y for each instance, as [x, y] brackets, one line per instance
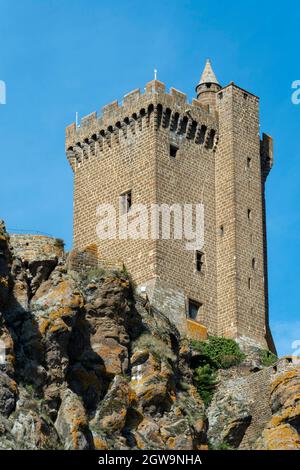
[208, 75]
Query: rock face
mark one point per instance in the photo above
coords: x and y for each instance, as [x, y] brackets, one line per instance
[90, 365]
[283, 430]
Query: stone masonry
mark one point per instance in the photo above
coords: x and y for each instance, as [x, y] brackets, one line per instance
[30, 247]
[163, 150]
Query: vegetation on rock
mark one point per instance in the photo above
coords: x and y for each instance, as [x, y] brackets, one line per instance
[220, 353]
[205, 381]
[91, 365]
[267, 358]
[155, 345]
[216, 353]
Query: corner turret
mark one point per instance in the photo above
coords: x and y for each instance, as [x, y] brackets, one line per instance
[207, 87]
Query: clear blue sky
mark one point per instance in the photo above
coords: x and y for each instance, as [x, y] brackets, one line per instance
[62, 56]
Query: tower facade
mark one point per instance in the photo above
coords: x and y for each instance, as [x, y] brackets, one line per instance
[155, 155]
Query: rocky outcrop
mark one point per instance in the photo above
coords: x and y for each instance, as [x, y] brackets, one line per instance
[229, 416]
[283, 430]
[90, 365]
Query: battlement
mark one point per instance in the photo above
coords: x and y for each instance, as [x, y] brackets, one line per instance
[139, 111]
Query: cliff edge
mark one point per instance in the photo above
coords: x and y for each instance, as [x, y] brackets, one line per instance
[85, 363]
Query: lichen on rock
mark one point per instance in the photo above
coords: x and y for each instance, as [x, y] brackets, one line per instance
[91, 365]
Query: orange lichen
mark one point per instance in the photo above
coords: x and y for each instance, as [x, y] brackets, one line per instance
[171, 443]
[286, 377]
[100, 444]
[44, 326]
[62, 311]
[286, 415]
[282, 437]
[13, 387]
[132, 398]
[75, 438]
[59, 327]
[10, 359]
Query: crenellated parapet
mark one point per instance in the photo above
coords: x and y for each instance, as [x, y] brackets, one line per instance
[154, 109]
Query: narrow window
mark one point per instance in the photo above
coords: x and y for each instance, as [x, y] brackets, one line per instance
[173, 150]
[222, 230]
[253, 263]
[249, 162]
[194, 309]
[249, 283]
[126, 202]
[211, 139]
[199, 261]
[249, 214]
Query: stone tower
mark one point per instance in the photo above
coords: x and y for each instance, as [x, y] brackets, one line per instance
[157, 149]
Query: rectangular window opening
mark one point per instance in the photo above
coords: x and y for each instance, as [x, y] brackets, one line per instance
[126, 202]
[173, 150]
[194, 308]
[199, 259]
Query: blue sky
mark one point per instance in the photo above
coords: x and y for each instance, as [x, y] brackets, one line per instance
[62, 56]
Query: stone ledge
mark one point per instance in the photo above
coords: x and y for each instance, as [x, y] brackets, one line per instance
[196, 331]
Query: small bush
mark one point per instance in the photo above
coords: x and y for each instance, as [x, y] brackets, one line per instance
[220, 446]
[267, 358]
[156, 346]
[128, 276]
[59, 242]
[220, 353]
[205, 381]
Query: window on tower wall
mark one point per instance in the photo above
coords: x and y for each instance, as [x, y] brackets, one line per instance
[199, 256]
[193, 309]
[126, 202]
[173, 151]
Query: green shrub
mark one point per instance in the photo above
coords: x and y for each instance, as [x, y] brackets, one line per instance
[220, 353]
[205, 381]
[220, 446]
[156, 346]
[59, 242]
[267, 358]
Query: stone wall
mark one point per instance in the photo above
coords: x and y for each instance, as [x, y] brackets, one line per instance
[88, 259]
[33, 247]
[241, 269]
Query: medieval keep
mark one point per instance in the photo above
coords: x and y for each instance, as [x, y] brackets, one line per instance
[156, 148]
